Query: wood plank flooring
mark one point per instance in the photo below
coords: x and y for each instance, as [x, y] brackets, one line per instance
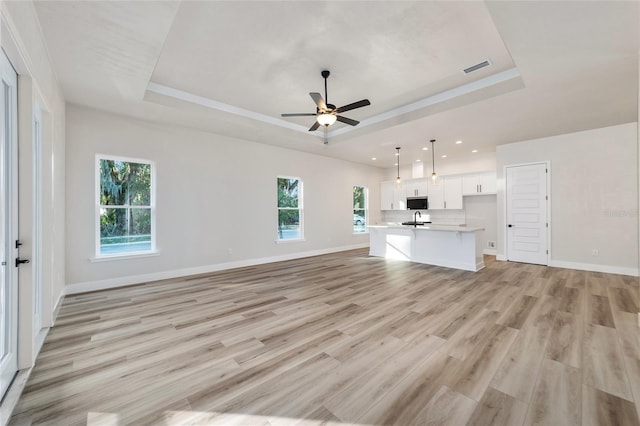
[346, 339]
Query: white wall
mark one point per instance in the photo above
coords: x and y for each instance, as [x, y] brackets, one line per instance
[214, 194]
[594, 196]
[481, 210]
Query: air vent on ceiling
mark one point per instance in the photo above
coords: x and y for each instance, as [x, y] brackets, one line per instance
[476, 67]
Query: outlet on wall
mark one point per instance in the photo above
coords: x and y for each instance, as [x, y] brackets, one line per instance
[594, 252]
[491, 244]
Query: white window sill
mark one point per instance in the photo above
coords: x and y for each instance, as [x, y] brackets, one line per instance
[291, 240]
[124, 256]
[360, 233]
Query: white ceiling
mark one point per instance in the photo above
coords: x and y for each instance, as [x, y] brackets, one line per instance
[233, 67]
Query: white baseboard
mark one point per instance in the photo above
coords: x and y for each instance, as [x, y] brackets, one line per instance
[491, 252]
[12, 396]
[607, 269]
[56, 308]
[620, 270]
[87, 286]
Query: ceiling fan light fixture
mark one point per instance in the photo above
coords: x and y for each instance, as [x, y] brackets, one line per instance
[326, 119]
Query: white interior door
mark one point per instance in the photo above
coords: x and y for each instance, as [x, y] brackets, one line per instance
[527, 221]
[8, 223]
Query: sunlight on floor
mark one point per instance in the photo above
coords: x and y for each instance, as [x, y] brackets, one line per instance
[179, 418]
[103, 419]
[175, 418]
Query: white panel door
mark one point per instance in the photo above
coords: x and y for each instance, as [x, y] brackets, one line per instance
[527, 220]
[8, 223]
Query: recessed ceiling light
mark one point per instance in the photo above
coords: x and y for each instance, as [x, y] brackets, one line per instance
[425, 149]
[475, 150]
[458, 142]
[417, 161]
[374, 158]
[444, 155]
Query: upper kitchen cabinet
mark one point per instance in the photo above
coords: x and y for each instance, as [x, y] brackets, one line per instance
[446, 193]
[392, 196]
[480, 183]
[417, 187]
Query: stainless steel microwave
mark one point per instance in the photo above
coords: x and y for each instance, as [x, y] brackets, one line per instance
[417, 203]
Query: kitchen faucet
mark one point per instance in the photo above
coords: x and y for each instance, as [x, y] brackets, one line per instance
[415, 221]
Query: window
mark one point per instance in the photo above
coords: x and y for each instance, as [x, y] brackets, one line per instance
[125, 207]
[289, 208]
[360, 200]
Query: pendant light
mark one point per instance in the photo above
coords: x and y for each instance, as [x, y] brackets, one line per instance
[434, 176]
[398, 164]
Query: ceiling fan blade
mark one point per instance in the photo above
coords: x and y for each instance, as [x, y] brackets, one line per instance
[347, 120]
[317, 98]
[354, 105]
[314, 127]
[302, 114]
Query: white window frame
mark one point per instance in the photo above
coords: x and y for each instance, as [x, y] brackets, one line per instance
[365, 209]
[300, 209]
[151, 252]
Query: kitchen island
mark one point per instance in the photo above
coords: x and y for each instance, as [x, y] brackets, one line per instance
[452, 246]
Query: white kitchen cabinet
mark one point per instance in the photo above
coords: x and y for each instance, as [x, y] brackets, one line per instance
[417, 187]
[481, 183]
[392, 197]
[436, 195]
[446, 193]
[452, 192]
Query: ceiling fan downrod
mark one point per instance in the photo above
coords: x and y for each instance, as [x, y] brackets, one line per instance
[325, 74]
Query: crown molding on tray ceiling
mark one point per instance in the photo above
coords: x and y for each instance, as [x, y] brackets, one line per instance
[447, 95]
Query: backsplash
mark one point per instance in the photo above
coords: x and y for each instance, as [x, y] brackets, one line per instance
[440, 217]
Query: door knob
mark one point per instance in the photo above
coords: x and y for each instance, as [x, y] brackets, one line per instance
[510, 225]
[20, 261]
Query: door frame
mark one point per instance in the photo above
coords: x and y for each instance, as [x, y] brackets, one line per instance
[11, 223]
[505, 239]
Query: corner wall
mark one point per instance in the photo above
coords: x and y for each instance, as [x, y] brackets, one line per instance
[216, 199]
[594, 196]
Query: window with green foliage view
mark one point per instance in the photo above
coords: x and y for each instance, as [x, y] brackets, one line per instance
[360, 209]
[125, 207]
[289, 208]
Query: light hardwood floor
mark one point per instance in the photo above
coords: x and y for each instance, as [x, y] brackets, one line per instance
[346, 339]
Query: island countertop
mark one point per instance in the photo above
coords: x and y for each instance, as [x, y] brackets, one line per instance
[429, 227]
